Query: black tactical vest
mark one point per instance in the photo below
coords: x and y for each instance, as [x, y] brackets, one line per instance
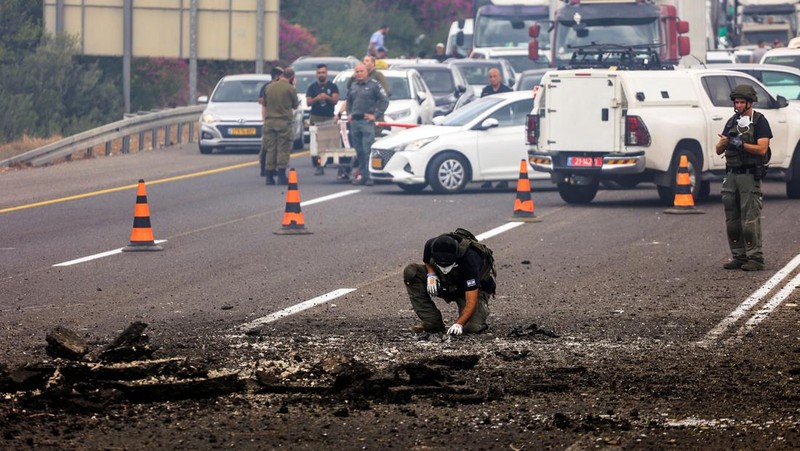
[735, 158]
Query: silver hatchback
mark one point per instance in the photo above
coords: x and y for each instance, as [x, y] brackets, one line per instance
[232, 118]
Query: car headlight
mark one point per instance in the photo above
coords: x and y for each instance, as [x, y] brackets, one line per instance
[414, 145]
[208, 118]
[398, 114]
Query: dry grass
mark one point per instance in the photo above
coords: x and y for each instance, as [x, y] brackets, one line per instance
[23, 145]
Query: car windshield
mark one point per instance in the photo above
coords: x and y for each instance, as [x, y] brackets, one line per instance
[527, 82]
[522, 63]
[478, 74]
[398, 87]
[438, 81]
[335, 66]
[784, 60]
[503, 31]
[304, 81]
[624, 32]
[470, 111]
[782, 84]
[238, 91]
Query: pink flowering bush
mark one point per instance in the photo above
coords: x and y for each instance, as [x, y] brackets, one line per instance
[295, 41]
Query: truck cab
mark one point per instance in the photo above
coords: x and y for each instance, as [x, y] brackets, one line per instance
[506, 25]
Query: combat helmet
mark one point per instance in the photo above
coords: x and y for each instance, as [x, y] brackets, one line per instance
[745, 92]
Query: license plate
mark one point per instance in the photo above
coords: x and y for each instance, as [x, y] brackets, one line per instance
[242, 131]
[585, 162]
[377, 163]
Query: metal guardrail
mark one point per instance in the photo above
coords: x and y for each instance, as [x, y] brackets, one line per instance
[107, 134]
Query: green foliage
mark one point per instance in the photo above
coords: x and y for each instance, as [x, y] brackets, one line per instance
[20, 28]
[50, 93]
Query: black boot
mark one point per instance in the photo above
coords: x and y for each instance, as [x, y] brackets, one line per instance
[270, 179]
[282, 180]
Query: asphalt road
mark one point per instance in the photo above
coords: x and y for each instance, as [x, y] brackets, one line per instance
[617, 272]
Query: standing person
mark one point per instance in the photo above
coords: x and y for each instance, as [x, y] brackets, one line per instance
[495, 85]
[262, 154]
[322, 96]
[279, 101]
[456, 267]
[440, 55]
[759, 52]
[366, 101]
[745, 143]
[376, 40]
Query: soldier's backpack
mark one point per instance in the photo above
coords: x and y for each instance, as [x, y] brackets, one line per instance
[465, 239]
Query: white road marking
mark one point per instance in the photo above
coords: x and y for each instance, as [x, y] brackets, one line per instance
[117, 251]
[296, 308]
[498, 230]
[329, 197]
[773, 303]
[96, 256]
[751, 301]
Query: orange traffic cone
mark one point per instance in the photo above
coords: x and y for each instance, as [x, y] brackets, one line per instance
[293, 222]
[142, 234]
[684, 201]
[523, 204]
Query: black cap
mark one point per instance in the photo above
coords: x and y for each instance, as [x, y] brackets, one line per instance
[444, 250]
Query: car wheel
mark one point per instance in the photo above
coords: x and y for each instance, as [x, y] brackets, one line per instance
[415, 188]
[205, 150]
[793, 184]
[578, 194]
[700, 189]
[448, 173]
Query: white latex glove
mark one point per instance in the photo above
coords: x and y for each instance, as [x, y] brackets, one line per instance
[455, 329]
[433, 284]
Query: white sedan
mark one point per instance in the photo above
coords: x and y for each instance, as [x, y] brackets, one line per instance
[482, 141]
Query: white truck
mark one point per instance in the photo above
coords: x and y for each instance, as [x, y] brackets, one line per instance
[593, 125]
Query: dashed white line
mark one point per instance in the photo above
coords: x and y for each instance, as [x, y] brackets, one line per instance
[296, 308]
[96, 256]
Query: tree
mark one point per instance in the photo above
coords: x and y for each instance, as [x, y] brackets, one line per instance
[20, 28]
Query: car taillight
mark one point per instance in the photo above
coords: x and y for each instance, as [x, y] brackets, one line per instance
[636, 133]
[532, 128]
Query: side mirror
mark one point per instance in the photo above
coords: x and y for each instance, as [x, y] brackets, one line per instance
[682, 26]
[782, 102]
[533, 30]
[461, 23]
[421, 97]
[460, 38]
[489, 123]
[202, 99]
[438, 120]
[461, 89]
[684, 47]
[533, 49]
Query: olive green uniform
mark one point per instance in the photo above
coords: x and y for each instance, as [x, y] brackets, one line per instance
[280, 100]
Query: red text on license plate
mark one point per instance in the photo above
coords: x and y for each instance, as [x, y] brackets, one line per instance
[586, 162]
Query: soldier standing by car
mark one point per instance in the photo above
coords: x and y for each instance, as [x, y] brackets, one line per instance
[280, 100]
[366, 101]
[745, 143]
[457, 268]
[262, 154]
[322, 97]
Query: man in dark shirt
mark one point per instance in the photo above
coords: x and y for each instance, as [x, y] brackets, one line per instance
[322, 97]
[495, 85]
[452, 272]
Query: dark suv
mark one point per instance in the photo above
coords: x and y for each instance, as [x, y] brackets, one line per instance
[446, 83]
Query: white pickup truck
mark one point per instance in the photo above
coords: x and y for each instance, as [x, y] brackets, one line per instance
[627, 127]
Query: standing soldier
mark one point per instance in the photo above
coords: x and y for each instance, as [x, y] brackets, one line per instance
[456, 267]
[745, 143]
[366, 101]
[262, 154]
[322, 96]
[279, 102]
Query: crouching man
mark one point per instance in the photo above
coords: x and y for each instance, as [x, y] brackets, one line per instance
[457, 268]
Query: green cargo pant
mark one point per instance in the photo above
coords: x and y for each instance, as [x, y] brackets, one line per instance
[415, 277]
[277, 139]
[742, 198]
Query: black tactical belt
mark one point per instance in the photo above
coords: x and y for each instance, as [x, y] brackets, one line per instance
[743, 170]
[358, 117]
